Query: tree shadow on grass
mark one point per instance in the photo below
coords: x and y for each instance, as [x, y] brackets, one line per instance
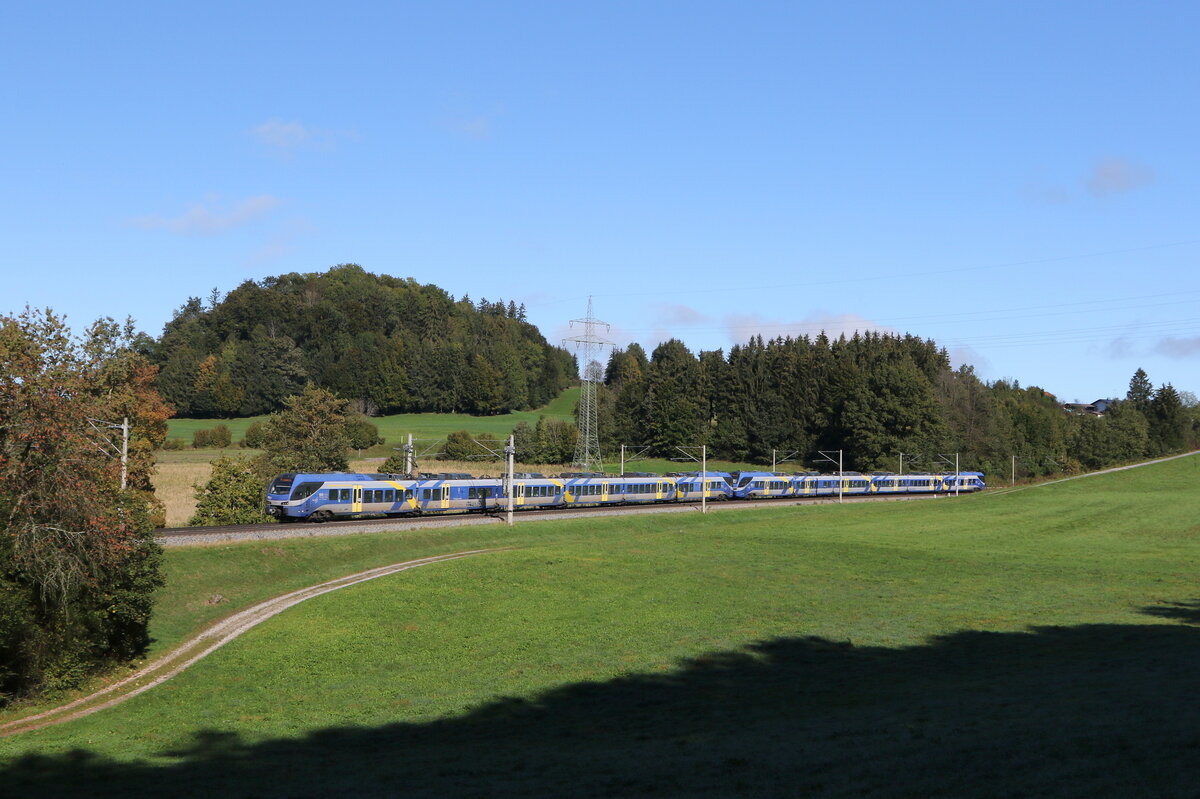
[1100, 710]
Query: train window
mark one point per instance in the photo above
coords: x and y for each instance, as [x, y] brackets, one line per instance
[425, 493]
[305, 490]
[472, 493]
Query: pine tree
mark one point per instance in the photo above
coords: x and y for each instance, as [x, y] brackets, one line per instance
[1141, 391]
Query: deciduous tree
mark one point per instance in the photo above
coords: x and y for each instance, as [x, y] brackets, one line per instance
[78, 562]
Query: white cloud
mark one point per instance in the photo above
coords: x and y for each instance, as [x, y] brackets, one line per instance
[211, 217]
[288, 137]
[1117, 175]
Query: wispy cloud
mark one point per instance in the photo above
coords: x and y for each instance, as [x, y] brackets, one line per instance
[740, 327]
[289, 137]
[475, 127]
[1179, 347]
[1106, 177]
[211, 217]
[1121, 347]
[282, 241]
[966, 355]
[1117, 175]
[667, 314]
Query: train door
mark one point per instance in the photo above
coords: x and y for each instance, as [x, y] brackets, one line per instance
[520, 493]
[356, 506]
[604, 492]
[658, 490]
[445, 499]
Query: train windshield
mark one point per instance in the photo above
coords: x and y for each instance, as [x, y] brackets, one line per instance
[282, 484]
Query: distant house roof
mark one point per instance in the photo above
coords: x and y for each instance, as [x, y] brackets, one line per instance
[1097, 408]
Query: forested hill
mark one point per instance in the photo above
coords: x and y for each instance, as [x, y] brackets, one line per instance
[391, 344]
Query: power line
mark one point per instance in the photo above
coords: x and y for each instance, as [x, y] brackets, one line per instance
[889, 272]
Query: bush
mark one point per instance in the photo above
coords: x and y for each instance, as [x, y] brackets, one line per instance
[461, 446]
[256, 436]
[362, 433]
[217, 438]
[233, 495]
[174, 444]
[394, 464]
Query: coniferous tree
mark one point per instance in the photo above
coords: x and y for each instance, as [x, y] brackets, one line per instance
[1168, 422]
[1141, 392]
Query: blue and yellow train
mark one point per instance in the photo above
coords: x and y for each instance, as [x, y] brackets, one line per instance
[319, 497]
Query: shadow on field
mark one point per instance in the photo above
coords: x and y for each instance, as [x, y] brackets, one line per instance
[1102, 710]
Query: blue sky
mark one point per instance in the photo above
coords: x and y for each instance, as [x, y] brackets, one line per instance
[1017, 181]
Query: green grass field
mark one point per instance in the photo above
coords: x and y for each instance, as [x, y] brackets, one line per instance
[395, 429]
[1037, 642]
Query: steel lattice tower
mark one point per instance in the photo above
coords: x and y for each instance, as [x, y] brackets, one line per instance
[588, 345]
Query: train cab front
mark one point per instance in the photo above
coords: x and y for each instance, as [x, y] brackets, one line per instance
[287, 497]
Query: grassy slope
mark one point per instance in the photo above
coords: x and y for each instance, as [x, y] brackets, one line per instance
[1006, 643]
[422, 425]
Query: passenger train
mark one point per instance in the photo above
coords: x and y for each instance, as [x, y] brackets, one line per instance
[319, 497]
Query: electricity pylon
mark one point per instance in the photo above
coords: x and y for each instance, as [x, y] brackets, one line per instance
[588, 345]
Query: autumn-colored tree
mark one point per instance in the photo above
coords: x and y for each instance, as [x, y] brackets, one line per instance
[78, 562]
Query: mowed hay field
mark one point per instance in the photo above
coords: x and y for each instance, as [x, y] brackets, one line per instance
[178, 473]
[1040, 642]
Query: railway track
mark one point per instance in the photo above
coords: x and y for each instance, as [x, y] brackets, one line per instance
[182, 536]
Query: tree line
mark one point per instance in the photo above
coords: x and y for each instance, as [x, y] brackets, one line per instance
[873, 396]
[388, 345]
